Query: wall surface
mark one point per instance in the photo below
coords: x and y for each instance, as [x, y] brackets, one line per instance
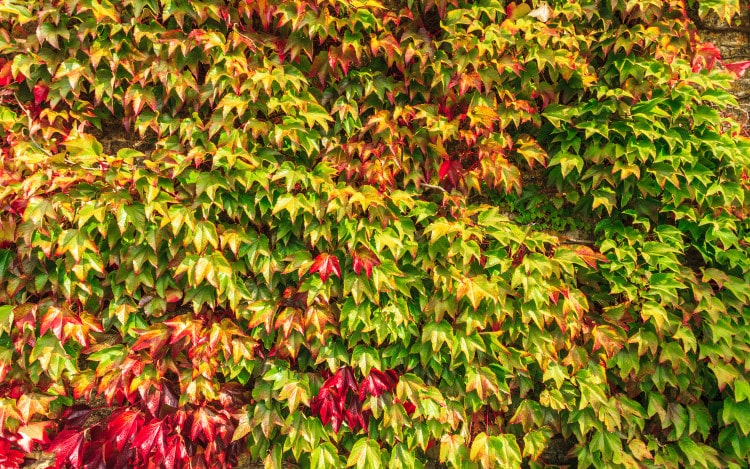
[733, 40]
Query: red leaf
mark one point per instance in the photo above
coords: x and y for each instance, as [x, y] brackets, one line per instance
[184, 326]
[342, 380]
[151, 437]
[330, 403]
[68, 447]
[53, 321]
[174, 452]
[353, 415]
[76, 415]
[6, 74]
[738, 68]
[124, 425]
[18, 206]
[204, 421]
[329, 406]
[152, 339]
[408, 406]
[705, 57]
[364, 259]
[40, 93]
[326, 264]
[376, 383]
[9, 458]
[152, 399]
[451, 170]
[173, 296]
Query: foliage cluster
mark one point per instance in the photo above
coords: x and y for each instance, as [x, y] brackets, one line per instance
[306, 257]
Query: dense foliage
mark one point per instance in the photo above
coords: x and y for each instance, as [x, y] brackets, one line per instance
[336, 233]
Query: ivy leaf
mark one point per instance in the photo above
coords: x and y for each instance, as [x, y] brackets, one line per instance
[451, 447]
[68, 448]
[149, 438]
[175, 452]
[496, 451]
[294, 393]
[329, 406]
[377, 382]
[33, 404]
[353, 415]
[324, 455]
[6, 318]
[40, 93]
[343, 379]
[124, 426]
[326, 264]
[364, 259]
[34, 432]
[589, 256]
[542, 13]
[153, 339]
[184, 326]
[365, 454]
[451, 170]
[535, 442]
[204, 422]
[480, 450]
[47, 349]
[738, 68]
[475, 289]
[6, 258]
[243, 427]
[639, 450]
[567, 162]
[484, 382]
[9, 458]
[403, 457]
[53, 320]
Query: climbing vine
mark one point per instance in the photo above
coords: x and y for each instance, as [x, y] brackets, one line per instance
[340, 233]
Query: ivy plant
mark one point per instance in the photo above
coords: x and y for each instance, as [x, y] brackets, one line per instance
[333, 233]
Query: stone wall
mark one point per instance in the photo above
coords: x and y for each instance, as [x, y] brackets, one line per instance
[733, 40]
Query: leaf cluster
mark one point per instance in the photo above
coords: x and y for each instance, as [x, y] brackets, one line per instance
[325, 241]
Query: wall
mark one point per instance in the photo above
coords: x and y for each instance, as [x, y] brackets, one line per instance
[733, 40]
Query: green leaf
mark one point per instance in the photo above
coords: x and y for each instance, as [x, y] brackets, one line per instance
[452, 449]
[325, 455]
[365, 454]
[654, 311]
[292, 204]
[476, 289]
[294, 393]
[567, 162]
[500, 451]
[741, 387]
[483, 381]
[6, 258]
[738, 413]
[535, 442]
[438, 333]
[46, 350]
[403, 458]
[205, 234]
[6, 318]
